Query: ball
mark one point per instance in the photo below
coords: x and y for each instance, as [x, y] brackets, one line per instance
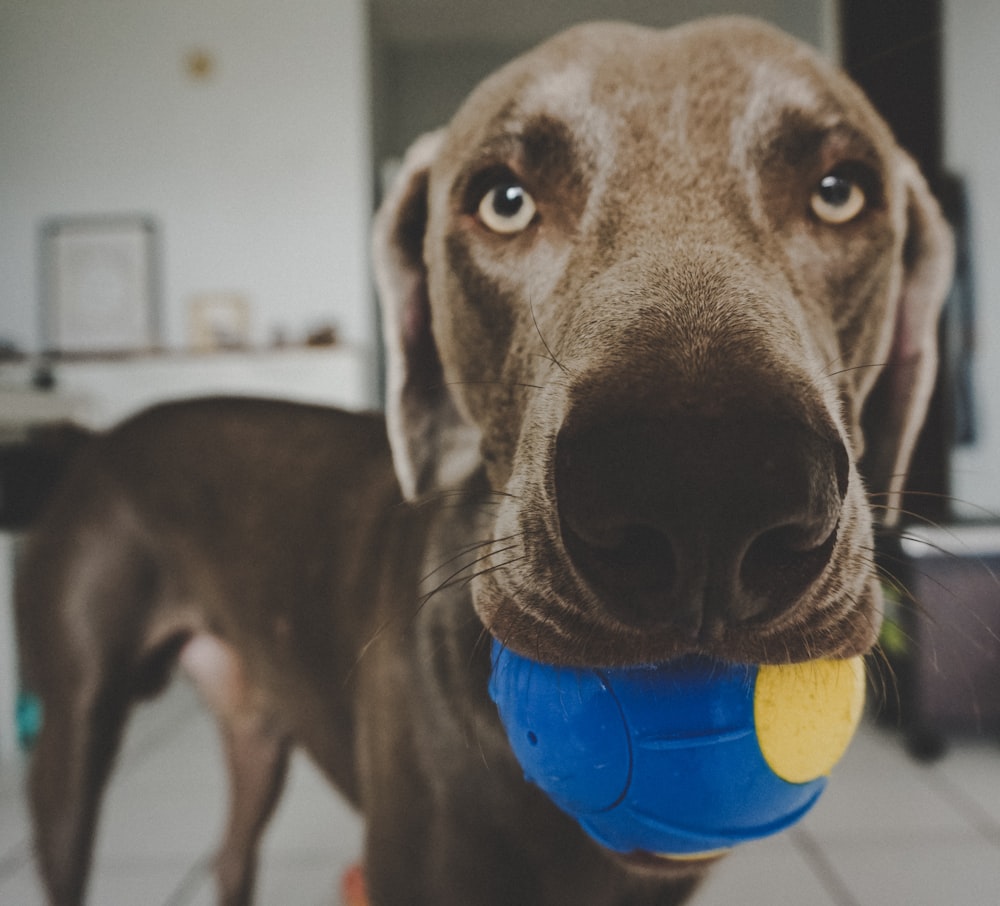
[682, 759]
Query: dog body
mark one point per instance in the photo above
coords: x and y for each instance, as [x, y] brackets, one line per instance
[166, 540]
[636, 297]
[200, 532]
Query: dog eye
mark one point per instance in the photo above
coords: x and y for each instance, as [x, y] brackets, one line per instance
[838, 199]
[507, 208]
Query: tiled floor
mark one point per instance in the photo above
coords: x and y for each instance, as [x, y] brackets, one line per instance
[888, 832]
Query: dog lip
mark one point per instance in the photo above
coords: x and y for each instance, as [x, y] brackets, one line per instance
[744, 645]
[666, 865]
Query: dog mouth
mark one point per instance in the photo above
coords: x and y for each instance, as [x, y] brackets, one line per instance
[609, 574]
[554, 628]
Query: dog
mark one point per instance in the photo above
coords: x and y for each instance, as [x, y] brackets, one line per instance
[636, 296]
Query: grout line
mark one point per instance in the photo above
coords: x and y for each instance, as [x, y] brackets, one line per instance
[822, 867]
[155, 739]
[971, 810]
[192, 880]
[14, 854]
[14, 859]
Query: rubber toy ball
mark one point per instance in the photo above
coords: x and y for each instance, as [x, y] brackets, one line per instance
[683, 759]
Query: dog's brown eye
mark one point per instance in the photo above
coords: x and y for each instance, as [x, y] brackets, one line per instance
[507, 208]
[837, 199]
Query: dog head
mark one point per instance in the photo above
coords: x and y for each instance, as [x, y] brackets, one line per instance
[645, 280]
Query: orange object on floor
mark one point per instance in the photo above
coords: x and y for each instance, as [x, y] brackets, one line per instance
[352, 887]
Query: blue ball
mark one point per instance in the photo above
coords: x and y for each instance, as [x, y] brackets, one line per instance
[663, 759]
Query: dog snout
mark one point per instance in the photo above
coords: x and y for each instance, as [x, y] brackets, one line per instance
[702, 524]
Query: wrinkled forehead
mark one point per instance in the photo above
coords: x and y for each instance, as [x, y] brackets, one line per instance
[722, 84]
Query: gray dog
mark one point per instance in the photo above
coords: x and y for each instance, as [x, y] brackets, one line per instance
[636, 296]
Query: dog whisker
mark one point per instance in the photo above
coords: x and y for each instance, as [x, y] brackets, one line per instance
[456, 579]
[461, 496]
[450, 582]
[984, 636]
[484, 639]
[852, 368]
[538, 330]
[364, 649]
[882, 677]
[465, 551]
[932, 495]
[523, 384]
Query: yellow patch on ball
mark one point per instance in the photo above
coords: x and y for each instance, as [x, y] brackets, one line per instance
[806, 715]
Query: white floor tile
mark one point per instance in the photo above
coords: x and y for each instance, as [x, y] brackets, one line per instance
[312, 817]
[314, 879]
[15, 823]
[22, 887]
[133, 882]
[154, 722]
[311, 841]
[891, 832]
[877, 790]
[126, 883]
[172, 803]
[766, 873]
[285, 881]
[904, 872]
[971, 768]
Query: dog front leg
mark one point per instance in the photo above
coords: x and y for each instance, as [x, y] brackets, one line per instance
[440, 869]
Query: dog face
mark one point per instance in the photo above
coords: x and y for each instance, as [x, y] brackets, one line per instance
[646, 281]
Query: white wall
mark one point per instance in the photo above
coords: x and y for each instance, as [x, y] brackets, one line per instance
[428, 61]
[524, 22]
[972, 140]
[258, 176]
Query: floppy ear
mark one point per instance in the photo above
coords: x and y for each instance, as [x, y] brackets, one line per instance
[895, 411]
[433, 447]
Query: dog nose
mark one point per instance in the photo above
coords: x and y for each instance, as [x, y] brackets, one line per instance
[699, 523]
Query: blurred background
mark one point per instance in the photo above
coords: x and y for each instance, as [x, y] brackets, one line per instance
[245, 141]
[186, 189]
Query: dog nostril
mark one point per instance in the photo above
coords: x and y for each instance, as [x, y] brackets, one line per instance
[682, 520]
[602, 490]
[634, 566]
[640, 553]
[778, 566]
[841, 467]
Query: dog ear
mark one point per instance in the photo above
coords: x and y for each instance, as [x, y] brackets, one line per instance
[895, 411]
[433, 447]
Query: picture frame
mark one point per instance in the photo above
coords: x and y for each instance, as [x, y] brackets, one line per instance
[100, 285]
[218, 321]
